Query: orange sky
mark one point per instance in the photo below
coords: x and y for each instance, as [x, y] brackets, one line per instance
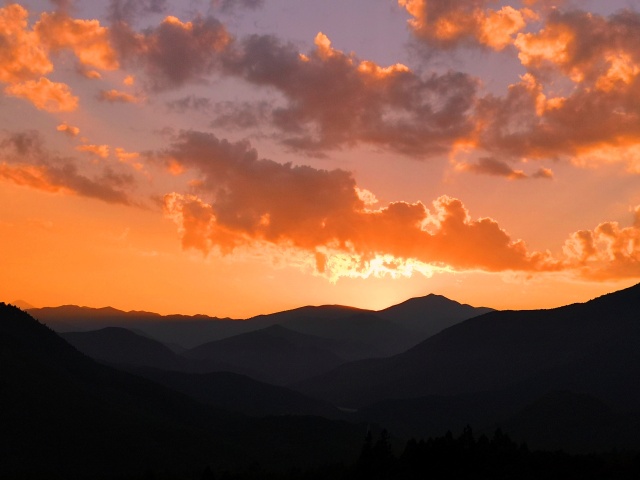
[236, 158]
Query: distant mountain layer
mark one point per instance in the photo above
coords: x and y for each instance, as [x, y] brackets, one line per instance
[121, 346]
[206, 373]
[274, 354]
[590, 348]
[381, 333]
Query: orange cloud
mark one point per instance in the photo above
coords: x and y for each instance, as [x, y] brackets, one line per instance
[586, 47]
[594, 122]
[87, 39]
[101, 151]
[29, 176]
[321, 213]
[45, 95]
[450, 23]
[27, 163]
[68, 130]
[115, 96]
[129, 157]
[609, 251]
[22, 56]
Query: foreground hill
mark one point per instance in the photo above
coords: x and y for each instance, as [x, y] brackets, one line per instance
[589, 348]
[65, 416]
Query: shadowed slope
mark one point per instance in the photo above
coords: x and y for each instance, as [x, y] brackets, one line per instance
[121, 346]
[590, 347]
[239, 393]
[274, 354]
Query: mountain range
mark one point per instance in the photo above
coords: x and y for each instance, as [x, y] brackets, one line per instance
[563, 378]
[384, 332]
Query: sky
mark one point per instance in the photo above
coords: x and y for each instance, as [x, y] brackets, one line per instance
[238, 157]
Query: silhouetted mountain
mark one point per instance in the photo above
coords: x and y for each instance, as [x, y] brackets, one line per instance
[185, 331]
[367, 336]
[382, 333]
[65, 416]
[589, 348]
[235, 392]
[322, 311]
[121, 346]
[430, 314]
[22, 304]
[274, 354]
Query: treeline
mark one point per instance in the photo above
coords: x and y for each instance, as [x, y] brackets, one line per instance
[448, 458]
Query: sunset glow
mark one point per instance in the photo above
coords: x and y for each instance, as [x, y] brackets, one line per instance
[237, 158]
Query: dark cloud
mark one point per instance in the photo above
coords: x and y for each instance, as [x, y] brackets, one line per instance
[228, 6]
[26, 162]
[174, 53]
[492, 166]
[334, 100]
[244, 115]
[190, 103]
[498, 168]
[63, 5]
[130, 10]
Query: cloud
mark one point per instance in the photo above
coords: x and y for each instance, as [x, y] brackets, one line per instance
[452, 23]
[242, 201]
[117, 96]
[45, 94]
[492, 166]
[190, 103]
[594, 119]
[607, 252]
[69, 130]
[22, 56]
[329, 99]
[244, 115]
[101, 151]
[131, 158]
[130, 10]
[498, 168]
[174, 53]
[584, 46]
[231, 5]
[25, 161]
[334, 100]
[87, 39]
